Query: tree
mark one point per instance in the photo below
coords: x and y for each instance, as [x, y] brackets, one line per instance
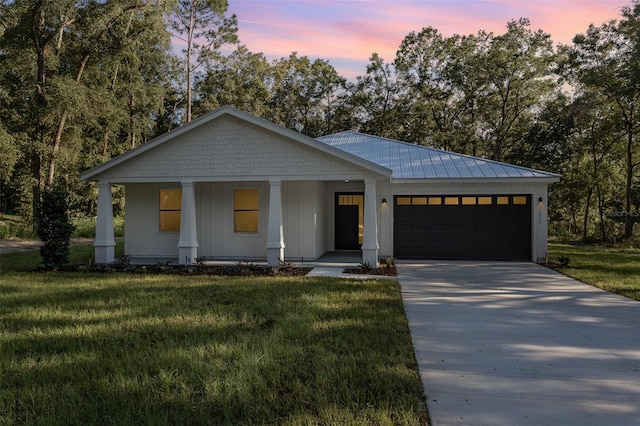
[243, 80]
[304, 93]
[374, 98]
[100, 70]
[607, 59]
[203, 27]
[517, 80]
[437, 79]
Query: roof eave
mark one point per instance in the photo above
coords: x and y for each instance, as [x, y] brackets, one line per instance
[547, 180]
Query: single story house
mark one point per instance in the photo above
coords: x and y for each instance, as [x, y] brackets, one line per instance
[233, 186]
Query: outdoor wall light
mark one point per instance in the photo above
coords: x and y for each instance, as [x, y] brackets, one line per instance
[384, 201]
[540, 202]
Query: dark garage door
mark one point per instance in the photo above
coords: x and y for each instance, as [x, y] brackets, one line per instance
[475, 227]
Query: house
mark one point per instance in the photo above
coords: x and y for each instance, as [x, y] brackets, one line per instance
[233, 186]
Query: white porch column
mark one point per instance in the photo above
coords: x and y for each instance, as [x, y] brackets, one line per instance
[104, 244]
[370, 237]
[275, 234]
[188, 243]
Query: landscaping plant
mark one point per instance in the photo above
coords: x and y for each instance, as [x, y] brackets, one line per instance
[54, 228]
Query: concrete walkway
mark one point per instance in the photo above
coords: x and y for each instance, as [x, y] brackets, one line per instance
[501, 343]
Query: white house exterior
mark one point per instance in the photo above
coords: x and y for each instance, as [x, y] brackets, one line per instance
[232, 186]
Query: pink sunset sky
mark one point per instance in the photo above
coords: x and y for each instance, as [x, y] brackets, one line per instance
[347, 32]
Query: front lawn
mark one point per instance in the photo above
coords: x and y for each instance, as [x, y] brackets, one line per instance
[613, 269]
[80, 348]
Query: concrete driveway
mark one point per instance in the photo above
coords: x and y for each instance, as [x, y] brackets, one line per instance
[502, 343]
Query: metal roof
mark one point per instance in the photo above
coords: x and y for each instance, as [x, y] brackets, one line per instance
[409, 161]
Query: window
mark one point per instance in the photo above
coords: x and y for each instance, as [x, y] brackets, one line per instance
[419, 201]
[519, 200]
[403, 201]
[469, 201]
[451, 201]
[245, 210]
[435, 201]
[502, 200]
[484, 201]
[170, 208]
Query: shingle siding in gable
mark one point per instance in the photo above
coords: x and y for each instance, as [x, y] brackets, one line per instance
[229, 147]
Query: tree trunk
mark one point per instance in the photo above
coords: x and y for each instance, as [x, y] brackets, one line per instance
[61, 123]
[603, 231]
[586, 215]
[188, 64]
[629, 220]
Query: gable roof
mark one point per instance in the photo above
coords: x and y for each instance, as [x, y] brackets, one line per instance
[93, 173]
[410, 161]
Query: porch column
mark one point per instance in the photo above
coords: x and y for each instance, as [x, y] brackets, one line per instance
[370, 237]
[104, 244]
[188, 243]
[275, 235]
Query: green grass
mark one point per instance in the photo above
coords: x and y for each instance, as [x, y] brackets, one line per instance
[154, 349]
[30, 259]
[13, 226]
[613, 269]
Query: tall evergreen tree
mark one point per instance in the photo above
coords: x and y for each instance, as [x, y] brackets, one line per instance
[203, 28]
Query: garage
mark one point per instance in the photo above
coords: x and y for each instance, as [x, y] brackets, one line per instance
[463, 227]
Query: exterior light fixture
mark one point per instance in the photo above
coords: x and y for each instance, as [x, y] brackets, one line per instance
[384, 201]
[540, 207]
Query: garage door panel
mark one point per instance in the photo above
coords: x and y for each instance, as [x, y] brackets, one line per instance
[466, 230]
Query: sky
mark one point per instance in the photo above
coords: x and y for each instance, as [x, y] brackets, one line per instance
[347, 32]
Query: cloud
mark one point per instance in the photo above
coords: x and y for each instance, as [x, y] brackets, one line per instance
[346, 32]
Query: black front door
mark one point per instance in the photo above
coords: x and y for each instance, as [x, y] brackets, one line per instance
[347, 227]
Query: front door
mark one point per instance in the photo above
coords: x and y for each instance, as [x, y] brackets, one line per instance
[349, 213]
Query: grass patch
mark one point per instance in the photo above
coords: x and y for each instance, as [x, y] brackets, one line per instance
[13, 226]
[613, 269]
[29, 260]
[157, 349]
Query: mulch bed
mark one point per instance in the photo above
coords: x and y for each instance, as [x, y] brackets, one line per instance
[383, 270]
[239, 269]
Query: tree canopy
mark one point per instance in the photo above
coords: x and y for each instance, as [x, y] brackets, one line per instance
[81, 82]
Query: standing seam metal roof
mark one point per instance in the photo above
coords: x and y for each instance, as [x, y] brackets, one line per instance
[409, 161]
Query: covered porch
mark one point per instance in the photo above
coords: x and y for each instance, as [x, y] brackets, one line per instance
[301, 215]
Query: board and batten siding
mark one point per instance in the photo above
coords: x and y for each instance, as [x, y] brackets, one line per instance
[142, 222]
[303, 217]
[214, 220]
[304, 220]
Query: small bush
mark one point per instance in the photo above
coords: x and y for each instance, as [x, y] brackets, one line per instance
[365, 267]
[55, 228]
[564, 261]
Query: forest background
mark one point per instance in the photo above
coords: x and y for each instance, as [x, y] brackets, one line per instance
[84, 81]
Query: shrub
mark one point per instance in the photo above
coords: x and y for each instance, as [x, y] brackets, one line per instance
[55, 229]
